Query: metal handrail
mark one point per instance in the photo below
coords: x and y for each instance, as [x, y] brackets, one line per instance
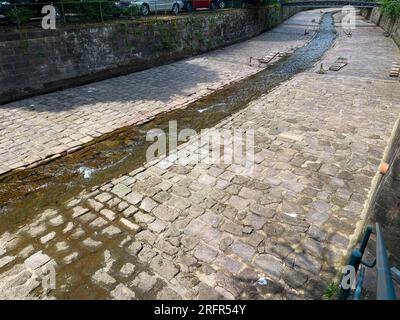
[360, 281]
[385, 287]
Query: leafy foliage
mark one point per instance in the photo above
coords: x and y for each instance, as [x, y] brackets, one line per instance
[330, 291]
[19, 15]
[89, 10]
[391, 7]
[268, 2]
[131, 11]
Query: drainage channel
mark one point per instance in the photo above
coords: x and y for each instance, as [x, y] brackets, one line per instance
[48, 186]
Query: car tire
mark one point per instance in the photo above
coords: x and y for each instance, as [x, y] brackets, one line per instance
[144, 9]
[189, 7]
[221, 4]
[175, 9]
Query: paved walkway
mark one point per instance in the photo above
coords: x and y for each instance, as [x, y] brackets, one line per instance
[48, 125]
[210, 231]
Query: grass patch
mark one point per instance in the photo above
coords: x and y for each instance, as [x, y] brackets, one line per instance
[331, 290]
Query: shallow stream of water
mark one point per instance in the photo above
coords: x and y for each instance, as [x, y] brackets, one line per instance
[30, 191]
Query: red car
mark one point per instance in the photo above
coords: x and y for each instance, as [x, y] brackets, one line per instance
[192, 5]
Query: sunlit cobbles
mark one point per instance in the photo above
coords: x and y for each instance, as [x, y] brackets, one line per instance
[102, 278]
[121, 190]
[147, 254]
[36, 260]
[127, 269]
[77, 233]
[56, 221]
[26, 252]
[91, 244]
[71, 258]
[95, 205]
[27, 279]
[133, 198]
[113, 202]
[129, 211]
[48, 237]
[122, 292]
[78, 211]
[146, 236]
[98, 223]
[144, 282]
[4, 261]
[122, 206]
[157, 226]
[111, 231]
[130, 225]
[165, 213]
[134, 248]
[36, 230]
[103, 197]
[110, 215]
[164, 267]
[148, 204]
[61, 246]
[68, 227]
[145, 218]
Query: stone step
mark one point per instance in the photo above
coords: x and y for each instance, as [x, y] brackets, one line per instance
[338, 64]
[395, 69]
[268, 58]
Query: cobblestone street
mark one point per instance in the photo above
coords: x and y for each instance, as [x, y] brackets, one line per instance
[49, 125]
[209, 231]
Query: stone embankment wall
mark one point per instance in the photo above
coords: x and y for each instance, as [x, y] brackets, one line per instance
[391, 26]
[38, 61]
[385, 204]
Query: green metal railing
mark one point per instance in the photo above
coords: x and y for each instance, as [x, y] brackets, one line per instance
[385, 288]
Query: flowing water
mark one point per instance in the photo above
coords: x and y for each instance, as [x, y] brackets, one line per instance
[25, 193]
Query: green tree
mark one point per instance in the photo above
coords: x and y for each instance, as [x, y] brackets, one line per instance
[19, 15]
[391, 7]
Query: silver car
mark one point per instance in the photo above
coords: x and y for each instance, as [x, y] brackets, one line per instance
[148, 6]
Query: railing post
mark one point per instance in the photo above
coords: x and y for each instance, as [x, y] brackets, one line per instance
[63, 13]
[354, 261]
[101, 12]
[360, 281]
[365, 239]
[16, 15]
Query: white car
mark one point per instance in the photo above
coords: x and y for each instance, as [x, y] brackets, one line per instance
[148, 6]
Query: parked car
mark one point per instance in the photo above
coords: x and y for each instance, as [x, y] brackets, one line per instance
[191, 5]
[148, 6]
